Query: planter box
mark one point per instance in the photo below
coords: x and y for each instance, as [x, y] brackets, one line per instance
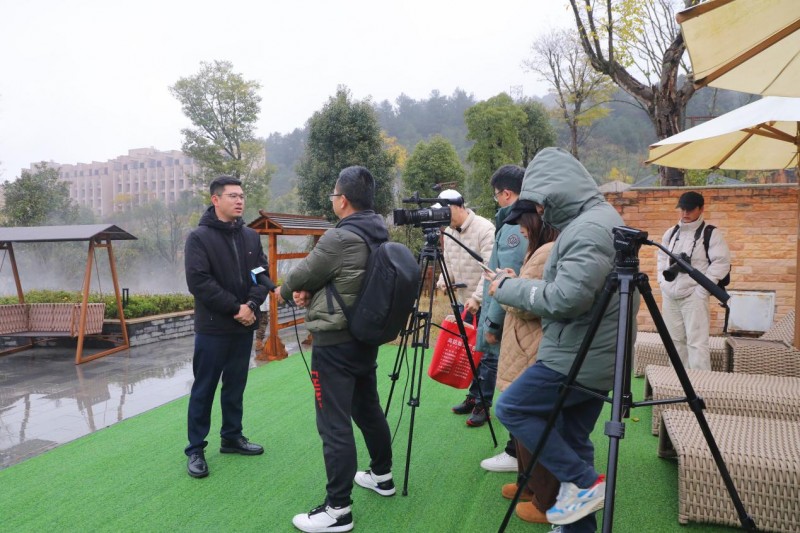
[151, 329]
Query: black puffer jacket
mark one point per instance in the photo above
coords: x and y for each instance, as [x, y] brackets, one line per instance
[219, 257]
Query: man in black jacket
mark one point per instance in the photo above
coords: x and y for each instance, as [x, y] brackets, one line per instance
[226, 271]
[342, 368]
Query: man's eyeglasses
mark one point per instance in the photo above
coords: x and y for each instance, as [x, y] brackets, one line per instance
[234, 196]
[496, 194]
[334, 195]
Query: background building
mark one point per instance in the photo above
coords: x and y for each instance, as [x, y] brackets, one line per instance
[142, 176]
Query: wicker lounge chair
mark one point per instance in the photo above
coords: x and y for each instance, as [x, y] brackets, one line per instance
[772, 353]
[762, 456]
[649, 350]
[764, 396]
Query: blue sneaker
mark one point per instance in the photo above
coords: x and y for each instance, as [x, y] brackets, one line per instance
[573, 502]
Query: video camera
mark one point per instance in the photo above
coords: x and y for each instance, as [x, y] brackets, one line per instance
[424, 216]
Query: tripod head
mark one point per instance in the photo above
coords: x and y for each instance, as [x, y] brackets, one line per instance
[627, 242]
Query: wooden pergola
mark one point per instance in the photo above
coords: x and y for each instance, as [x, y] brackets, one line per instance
[274, 225]
[98, 236]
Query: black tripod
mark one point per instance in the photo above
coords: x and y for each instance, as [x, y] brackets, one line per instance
[625, 279]
[419, 330]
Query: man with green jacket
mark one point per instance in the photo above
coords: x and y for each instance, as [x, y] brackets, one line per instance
[566, 299]
[342, 368]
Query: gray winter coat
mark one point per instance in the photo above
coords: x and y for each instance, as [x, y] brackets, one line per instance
[575, 272]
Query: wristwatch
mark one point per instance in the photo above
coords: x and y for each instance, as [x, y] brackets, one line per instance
[252, 305]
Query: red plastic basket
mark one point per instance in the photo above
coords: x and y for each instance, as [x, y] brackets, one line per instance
[449, 364]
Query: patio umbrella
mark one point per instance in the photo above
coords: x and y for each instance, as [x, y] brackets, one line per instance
[764, 135]
[745, 45]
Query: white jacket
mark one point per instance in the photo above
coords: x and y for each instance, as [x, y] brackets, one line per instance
[477, 233]
[683, 242]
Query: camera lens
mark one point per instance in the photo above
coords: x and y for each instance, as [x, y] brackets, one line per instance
[674, 269]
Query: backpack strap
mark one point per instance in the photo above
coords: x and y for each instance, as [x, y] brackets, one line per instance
[330, 289]
[707, 239]
[672, 235]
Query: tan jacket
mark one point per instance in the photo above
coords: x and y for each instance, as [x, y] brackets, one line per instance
[522, 330]
[477, 233]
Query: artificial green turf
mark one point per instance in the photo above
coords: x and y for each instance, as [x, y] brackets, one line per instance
[132, 475]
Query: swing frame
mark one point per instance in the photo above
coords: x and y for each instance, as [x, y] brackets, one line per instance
[98, 236]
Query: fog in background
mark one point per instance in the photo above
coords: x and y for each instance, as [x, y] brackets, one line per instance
[62, 266]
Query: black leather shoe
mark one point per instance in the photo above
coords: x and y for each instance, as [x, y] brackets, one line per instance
[197, 466]
[241, 446]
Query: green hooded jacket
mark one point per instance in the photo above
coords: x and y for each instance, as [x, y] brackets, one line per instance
[575, 273]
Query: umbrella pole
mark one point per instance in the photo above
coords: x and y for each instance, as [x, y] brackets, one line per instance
[797, 249]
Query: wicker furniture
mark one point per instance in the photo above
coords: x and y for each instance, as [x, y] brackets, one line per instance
[772, 353]
[49, 320]
[764, 396]
[649, 350]
[762, 456]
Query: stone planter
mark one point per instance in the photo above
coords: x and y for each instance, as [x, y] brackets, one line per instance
[151, 329]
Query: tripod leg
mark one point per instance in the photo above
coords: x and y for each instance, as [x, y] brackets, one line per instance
[605, 299]
[697, 405]
[413, 401]
[621, 399]
[421, 330]
[412, 330]
[463, 333]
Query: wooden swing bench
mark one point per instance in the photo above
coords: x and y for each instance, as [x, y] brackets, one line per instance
[43, 321]
[49, 320]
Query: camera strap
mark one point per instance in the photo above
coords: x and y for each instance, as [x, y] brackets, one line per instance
[698, 232]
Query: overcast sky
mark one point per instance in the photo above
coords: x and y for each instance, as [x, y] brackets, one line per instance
[84, 80]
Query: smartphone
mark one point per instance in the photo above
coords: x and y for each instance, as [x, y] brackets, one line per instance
[487, 269]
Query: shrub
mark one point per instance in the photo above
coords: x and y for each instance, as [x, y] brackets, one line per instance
[139, 305]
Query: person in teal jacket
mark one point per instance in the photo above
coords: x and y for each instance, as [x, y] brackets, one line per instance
[509, 251]
[566, 298]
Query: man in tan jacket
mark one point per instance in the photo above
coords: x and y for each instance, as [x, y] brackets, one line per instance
[476, 233]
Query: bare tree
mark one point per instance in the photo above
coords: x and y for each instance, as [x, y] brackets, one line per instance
[629, 38]
[579, 89]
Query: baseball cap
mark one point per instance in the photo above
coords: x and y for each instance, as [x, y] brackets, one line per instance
[519, 207]
[450, 194]
[690, 200]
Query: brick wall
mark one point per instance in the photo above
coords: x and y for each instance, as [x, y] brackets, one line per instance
[759, 223]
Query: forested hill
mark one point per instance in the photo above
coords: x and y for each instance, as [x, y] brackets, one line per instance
[615, 146]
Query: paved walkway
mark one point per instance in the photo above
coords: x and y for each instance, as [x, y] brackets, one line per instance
[47, 400]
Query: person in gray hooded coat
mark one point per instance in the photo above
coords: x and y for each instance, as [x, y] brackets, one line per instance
[566, 299]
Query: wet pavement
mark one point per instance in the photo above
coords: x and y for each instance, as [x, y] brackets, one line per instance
[47, 400]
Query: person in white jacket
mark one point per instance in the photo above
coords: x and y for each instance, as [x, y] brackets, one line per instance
[684, 301]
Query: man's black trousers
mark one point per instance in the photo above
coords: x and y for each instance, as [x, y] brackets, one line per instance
[227, 356]
[345, 388]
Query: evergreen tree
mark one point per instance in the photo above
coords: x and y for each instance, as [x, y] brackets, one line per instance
[430, 163]
[343, 133]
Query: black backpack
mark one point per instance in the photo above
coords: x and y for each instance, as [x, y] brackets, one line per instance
[706, 231]
[390, 287]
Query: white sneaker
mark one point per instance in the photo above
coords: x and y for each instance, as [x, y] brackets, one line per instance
[502, 462]
[383, 484]
[324, 519]
[573, 502]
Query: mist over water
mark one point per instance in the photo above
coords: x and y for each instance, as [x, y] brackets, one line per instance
[62, 266]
